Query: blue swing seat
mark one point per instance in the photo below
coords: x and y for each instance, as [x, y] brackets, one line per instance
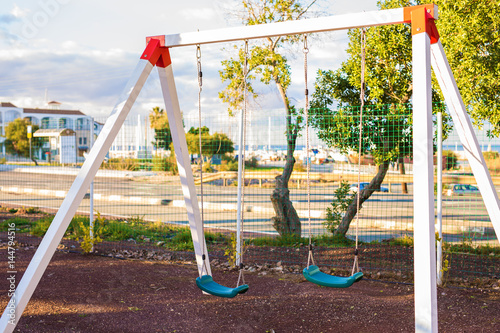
[314, 275]
[207, 284]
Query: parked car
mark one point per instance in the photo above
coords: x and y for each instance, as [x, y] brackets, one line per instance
[354, 187]
[462, 189]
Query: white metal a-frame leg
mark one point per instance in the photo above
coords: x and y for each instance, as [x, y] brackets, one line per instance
[427, 49]
[423, 176]
[463, 125]
[155, 54]
[183, 163]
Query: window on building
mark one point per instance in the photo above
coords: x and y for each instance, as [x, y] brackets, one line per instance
[82, 124]
[49, 123]
[63, 122]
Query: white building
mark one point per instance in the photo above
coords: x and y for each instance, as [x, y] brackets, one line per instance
[54, 118]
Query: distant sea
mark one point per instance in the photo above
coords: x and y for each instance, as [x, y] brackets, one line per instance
[457, 147]
[273, 147]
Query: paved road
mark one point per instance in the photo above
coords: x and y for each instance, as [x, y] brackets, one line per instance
[394, 210]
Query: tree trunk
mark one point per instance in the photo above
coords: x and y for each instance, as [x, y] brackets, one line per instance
[401, 163]
[286, 221]
[363, 196]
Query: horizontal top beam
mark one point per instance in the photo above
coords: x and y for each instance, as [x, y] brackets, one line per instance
[329, 23]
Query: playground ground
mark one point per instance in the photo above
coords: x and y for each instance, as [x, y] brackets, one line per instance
[89, 293]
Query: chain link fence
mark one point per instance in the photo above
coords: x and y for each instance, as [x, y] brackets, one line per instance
[138, 204]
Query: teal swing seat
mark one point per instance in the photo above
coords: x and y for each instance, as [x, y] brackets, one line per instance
[207, 284]
[314, 275]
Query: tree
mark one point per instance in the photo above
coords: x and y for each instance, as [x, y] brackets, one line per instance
[16, 134]
[159, 122]
[267, 62]
[218, 143]
[470, 33]
[387, 119]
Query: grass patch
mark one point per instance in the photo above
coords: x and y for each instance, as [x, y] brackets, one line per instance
[295, 241]
[406, 241]
[178, 238]
[464, 247]
[23, 225]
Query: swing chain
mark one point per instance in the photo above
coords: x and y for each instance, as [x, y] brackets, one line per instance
[306, 51]
[241, 275]
[198, 61]
[355, 267]
[200, 84]
[308, 162]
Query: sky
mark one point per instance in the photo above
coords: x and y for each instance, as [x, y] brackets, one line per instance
[81, 52]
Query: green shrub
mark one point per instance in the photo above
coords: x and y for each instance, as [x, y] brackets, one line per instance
[40, 227]
[451, 159]
[252, 163]
[228, 165]
[86, 242]
[165, 164]
[491, 155]
[492, 161]
[128, 164]
[299, 167]
[207, 167]
[3, 160]
[33, 210]
[338, 207]
[22, 224]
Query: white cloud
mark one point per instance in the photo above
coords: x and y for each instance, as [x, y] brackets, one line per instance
[85, 54]
[18, 11]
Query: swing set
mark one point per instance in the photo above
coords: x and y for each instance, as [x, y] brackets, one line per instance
[427, 52]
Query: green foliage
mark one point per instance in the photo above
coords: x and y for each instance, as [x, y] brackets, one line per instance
[83, 233]
[264, 60]
[299, 167]
[252, 163]
[127, 164]
[41, 226]
[451, 159]
[218, 143]
[281, 240]
[466, 246]
[387, 130]
[23, 225]
[406, 240]
[165, 164]
[470, 34]
[16, 134]
[231, 252]
[387, 121]
[297, 242]
[491, 155]
[492, 161]
[159, 122]
[228, 163]
[196, 131]
[207, 167]
[338, 207]
[3, 160]
[32, 210]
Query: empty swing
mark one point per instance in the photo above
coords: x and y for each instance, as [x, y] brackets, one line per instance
[312, 272]
[205, 281]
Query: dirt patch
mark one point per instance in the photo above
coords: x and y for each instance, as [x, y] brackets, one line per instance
[88, 293]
